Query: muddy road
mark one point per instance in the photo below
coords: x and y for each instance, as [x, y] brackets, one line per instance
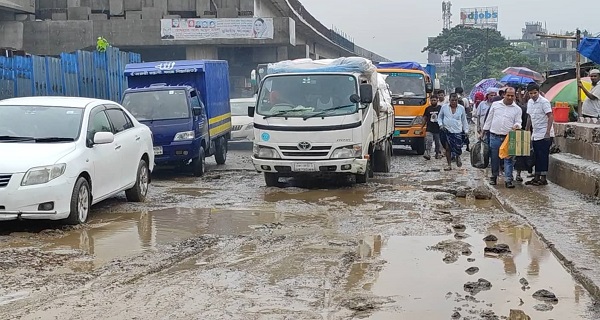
[407, 245]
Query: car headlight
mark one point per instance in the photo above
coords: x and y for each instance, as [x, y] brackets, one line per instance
[265, 152]
[250, 126]
[418, 121]
[353, 151]
[186, 135]
[41, 175]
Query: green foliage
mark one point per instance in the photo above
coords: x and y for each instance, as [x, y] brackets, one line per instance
[477, 53]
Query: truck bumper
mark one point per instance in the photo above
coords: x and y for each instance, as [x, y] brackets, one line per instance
[298, 167]
[408, 136]
[175, 153]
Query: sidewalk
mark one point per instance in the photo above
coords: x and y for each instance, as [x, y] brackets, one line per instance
[566, 221]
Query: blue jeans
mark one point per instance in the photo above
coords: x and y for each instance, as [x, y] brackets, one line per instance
[495, 143]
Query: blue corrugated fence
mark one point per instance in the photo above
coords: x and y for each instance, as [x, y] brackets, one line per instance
[82, 74]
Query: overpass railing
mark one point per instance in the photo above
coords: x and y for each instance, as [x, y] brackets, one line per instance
[79, 74]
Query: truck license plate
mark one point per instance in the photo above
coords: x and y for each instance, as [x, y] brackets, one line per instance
[304, 167]
[158, 151]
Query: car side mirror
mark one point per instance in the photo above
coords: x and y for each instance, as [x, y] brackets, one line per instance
[251, 112]
[196, 111]
[104, 137]
[429, 87]
[366, 93]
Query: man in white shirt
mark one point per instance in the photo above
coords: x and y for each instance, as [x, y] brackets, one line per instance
[504, 116]
[591, 105]
[483, 108]
[541, 120]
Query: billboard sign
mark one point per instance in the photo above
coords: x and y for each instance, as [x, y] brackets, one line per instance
[479, 16]
[224, 28]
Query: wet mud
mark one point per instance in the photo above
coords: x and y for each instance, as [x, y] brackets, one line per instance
[415, 243]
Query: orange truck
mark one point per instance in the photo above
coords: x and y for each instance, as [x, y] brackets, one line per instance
[411, 85]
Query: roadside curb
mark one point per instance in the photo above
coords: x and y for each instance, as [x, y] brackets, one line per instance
[568, 264]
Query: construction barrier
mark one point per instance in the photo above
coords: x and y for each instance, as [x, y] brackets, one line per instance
[77, 74]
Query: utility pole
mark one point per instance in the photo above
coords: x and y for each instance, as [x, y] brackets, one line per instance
[487, 48]
[577, 38]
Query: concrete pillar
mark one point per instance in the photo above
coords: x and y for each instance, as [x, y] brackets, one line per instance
[299, 51]
[201, 6]
[12, 32]
[201, 52]
[282, 53]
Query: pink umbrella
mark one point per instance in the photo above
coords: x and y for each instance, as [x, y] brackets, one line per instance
[524, 72]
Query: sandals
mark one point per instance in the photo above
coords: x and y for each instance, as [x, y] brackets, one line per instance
[519, 179]
[537, 182]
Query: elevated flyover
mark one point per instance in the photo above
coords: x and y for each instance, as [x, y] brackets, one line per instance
[243, 32]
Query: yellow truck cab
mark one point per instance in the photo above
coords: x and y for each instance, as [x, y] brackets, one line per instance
[411, 85]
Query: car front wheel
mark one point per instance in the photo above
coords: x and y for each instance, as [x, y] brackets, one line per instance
[138, 192]
[80, 202]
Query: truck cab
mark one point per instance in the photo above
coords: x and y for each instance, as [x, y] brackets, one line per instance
[410, 85]
[322, 117]
[186, 106]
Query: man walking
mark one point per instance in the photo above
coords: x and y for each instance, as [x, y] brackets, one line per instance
[433, 129]
[542, 122]
[591, 105]
[504, 116]
[453, 125]
[483, 109]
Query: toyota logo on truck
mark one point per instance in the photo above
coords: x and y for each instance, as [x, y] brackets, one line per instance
[304, 145]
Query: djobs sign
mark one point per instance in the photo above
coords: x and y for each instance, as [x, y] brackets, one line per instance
[479, 15]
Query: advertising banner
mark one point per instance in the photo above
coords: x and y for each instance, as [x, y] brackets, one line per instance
[224, 28]
[479, 16]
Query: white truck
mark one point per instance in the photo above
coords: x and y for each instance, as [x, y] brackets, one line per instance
[320, 117]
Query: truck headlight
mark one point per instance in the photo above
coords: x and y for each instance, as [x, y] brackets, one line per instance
[250, 126]
[353, 151]
[265, 152]
[41, 175]
[186, 135]
[418, 120]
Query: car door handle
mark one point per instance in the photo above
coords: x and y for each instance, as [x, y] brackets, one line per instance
[117, 147]
[137, 138]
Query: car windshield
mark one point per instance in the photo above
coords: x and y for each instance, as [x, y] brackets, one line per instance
[40, 123]
[405, 84]
[157, 105]
[240, 108]
[307, 95]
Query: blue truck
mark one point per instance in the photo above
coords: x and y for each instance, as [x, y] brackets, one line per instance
[186, 105]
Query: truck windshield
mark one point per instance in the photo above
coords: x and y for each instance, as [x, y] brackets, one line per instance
[157, 105]
[405, 84]
[307, 95]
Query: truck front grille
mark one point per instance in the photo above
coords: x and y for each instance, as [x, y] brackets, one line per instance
[4, 179]
[403, 121]
[313, 151]
[236, 127]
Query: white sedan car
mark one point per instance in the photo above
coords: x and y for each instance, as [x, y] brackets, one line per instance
[60, 155]
[242, 125]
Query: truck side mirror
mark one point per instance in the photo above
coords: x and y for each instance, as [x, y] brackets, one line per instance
[251, 112]
[196, 111]
[429, 87]
[366, 93]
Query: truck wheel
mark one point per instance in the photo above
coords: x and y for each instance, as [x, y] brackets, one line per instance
[383, 158]
[419, 146]
[199, 163]
[81, 201]
[362, 178]
[138, 192]
[221, 152]
[272, 179]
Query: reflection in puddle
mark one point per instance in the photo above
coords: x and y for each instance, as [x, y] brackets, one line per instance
[419, 281]
[111, 236]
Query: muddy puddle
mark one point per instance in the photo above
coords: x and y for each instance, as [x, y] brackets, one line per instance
[424, 286]
[110, 236]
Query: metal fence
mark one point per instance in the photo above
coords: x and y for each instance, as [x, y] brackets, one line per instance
[79, 74]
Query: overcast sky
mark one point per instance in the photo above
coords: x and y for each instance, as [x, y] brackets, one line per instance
[400, 28]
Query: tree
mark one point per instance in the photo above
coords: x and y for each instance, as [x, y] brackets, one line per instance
[497, 59]
[477, 53]
[465, 41]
